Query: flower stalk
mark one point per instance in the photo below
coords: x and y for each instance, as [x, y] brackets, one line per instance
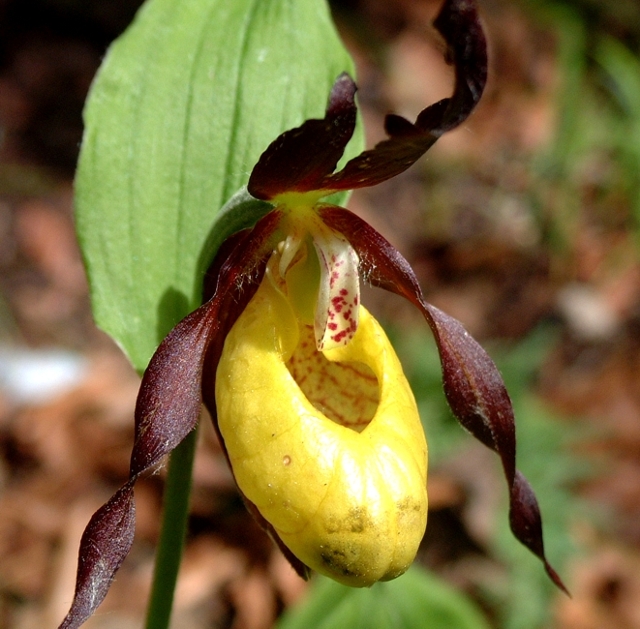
[173, 529]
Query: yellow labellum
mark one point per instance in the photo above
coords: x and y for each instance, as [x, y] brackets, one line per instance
[327, 445]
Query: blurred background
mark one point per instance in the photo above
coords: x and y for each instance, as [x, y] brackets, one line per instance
[524, 224]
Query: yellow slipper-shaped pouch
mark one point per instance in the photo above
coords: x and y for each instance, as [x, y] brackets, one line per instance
[327, 445]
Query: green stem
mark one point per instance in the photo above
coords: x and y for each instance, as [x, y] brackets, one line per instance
[172, 534]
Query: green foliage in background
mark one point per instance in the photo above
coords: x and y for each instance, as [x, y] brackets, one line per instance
[183, 105]
[592, 167]
[416, 600]
[620, 69]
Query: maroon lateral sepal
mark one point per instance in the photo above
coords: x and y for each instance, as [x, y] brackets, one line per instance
[472, 383]
[303, 159]
[167, 410]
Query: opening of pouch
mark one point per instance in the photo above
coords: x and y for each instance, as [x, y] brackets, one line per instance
[346, 393]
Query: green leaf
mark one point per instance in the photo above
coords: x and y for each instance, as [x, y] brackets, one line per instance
[184, 104]
[417, 599]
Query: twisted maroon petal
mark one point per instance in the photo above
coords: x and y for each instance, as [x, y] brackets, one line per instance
[459, 25]
[167, 410]
[105, 543]
[303, 159]
[472, 384]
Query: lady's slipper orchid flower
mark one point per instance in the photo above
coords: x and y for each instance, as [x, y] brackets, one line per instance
[317, 420]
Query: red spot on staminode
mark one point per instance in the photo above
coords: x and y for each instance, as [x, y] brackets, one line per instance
[344, 292]
[338, 303]
[340, 336]
[332, 326]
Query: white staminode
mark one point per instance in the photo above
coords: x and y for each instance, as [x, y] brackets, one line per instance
[338, 305]
[338, 300]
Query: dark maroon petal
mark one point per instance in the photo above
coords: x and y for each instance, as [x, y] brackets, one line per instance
[458, 23]
[105, 543]
[168, 404]
[473, 386]
[212, 275]
[303, 159]
[239, 264]
[526, 524]
[167, 409]
[298, 159]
